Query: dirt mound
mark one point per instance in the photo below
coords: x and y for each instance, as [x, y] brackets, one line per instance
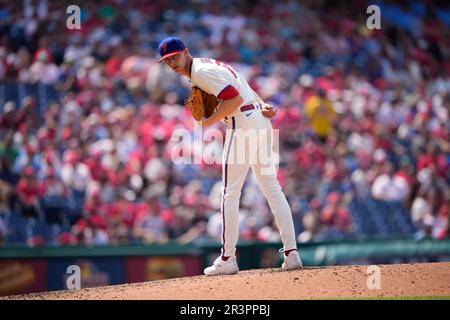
[430, 279]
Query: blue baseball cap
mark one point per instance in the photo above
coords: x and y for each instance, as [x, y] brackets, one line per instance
[170, 47]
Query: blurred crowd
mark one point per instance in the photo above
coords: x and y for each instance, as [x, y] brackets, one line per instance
[362, 113]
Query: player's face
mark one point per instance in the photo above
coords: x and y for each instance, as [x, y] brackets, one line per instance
[177, 62]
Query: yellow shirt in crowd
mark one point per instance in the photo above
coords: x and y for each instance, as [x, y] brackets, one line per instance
[321, 113]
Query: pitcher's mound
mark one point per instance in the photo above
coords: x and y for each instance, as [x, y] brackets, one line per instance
[427, 279]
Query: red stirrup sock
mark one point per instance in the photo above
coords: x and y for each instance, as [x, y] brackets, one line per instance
[286, 253]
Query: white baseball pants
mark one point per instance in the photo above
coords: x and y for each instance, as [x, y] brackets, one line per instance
[248, 143]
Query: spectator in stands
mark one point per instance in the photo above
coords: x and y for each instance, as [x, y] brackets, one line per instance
[424, 212]
[311, 222]
[8, 118]
[151, 228]
[91, 230]
[66, 239]
[54, 197]
[360, 140]
[121, 216]
[28, 194]
[390, 187]
[28, 156]
[360, 184]
[23, 64]
[94, 205]
[8, 179]
[75, 175]
[27, 117]
[335, 214]
[43, 69]
[435, 159]
[198, 231]
[321, 114]
[441, 227]
[420, 208]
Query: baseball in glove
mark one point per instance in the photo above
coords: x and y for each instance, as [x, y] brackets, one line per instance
[201, 103]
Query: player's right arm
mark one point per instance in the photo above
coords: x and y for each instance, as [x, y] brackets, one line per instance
[216, 81]
[225, 108]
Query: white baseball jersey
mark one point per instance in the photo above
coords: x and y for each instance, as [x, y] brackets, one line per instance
[219, 79]
[225, 83]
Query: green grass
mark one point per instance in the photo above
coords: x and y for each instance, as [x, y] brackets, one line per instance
[413, 298]
[397, 298]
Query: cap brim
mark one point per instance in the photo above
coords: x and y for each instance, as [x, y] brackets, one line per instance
[169, 55]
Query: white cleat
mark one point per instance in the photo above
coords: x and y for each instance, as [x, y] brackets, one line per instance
[292, 261]
[221, 267]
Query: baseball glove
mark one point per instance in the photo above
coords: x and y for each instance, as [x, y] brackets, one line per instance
[201, 103]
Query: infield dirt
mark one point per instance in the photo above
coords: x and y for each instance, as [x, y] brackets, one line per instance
[422, 279]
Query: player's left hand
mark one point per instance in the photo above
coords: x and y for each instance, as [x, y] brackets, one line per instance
[268, 111]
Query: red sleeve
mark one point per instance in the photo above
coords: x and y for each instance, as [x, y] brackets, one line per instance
[229, 92]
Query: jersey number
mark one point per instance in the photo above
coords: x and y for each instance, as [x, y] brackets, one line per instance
[209, 60]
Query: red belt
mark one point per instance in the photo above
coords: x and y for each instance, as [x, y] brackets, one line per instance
[247, 107]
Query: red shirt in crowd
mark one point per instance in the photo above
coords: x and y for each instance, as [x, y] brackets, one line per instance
[336, 217]
[53, 187]
[439, 162]
[28, 190]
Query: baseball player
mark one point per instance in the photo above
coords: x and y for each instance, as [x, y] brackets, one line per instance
[242, 110]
